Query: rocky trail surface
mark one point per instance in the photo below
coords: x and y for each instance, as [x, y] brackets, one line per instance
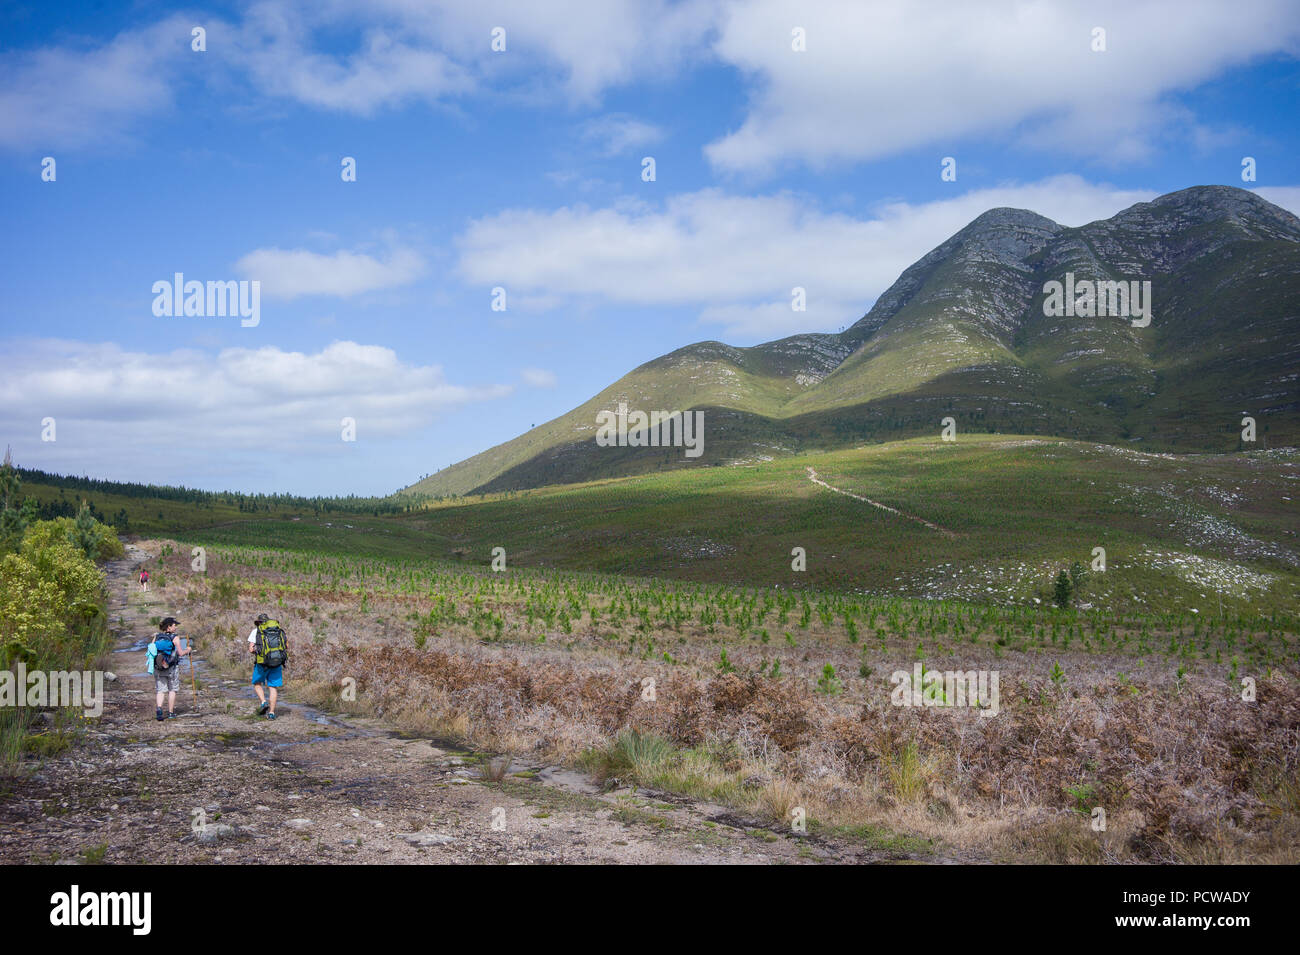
[220, 785]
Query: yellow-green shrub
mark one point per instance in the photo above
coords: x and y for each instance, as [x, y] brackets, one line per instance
[95, 540]
[49, 593]
[51, 612]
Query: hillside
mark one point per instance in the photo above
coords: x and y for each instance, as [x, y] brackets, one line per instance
[963, 333]
[988, 519]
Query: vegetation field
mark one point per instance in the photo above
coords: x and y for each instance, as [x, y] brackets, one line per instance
[986, 519]
[774, 700]
[653, 631]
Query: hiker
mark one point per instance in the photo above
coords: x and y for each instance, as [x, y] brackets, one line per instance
[144, 581]
[270, 649]
[164, 659]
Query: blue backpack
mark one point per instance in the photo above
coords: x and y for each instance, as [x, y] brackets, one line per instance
[167, 652]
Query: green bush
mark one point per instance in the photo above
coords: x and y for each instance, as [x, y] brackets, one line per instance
[52, 615]
[92, 539]
[225, 593]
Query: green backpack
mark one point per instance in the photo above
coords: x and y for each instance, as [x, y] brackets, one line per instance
[272, 648]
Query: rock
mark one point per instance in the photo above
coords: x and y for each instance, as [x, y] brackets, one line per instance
[299, 823]
[214, 831]
[425, 838]
[110, 676]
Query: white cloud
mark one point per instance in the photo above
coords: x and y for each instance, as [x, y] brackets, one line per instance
[881, 78]
[765, 321]
[617, 133]
[539, 377]
[876, 79]
[590, 44]
[350, 58]
[388, 66]
[291, 273]
[737, 258]
[68, 96]
[120, 411]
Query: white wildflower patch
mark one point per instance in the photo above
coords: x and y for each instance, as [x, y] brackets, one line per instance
[1221, 575]
[1200, 527]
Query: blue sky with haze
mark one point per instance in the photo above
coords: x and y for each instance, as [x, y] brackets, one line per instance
[775, 168]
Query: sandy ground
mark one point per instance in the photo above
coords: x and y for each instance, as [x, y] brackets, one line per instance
[219, 785]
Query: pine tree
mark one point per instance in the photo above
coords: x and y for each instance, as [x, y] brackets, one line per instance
[1063, 590]
[85, 533]
[13, 518]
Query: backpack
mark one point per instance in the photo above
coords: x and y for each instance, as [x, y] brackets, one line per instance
[167, 651]
[272, 649]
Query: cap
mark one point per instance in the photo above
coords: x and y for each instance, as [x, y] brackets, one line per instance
[261, 618]
[167, 622]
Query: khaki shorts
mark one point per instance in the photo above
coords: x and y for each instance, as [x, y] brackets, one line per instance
[167, 681]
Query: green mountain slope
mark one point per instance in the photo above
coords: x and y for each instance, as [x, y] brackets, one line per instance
[963, 333]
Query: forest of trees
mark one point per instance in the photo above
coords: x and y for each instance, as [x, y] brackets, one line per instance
[248, 503]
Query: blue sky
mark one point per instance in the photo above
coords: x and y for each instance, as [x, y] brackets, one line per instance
[775, 167]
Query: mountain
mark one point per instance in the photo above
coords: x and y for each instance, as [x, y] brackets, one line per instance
[964, 333]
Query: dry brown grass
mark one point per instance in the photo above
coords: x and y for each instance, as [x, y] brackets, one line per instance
[1186, 773]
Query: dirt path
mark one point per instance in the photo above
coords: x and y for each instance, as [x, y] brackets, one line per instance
[220, 785]
[812, 476]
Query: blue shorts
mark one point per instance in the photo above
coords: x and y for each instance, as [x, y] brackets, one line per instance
[271, 676]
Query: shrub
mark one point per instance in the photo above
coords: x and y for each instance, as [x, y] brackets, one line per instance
[91, 539]
[225, 593]
[46, 591]
[51, 617]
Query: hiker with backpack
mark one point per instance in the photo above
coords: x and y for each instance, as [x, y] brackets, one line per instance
[270, 648]
[164, 662]
[144, 581]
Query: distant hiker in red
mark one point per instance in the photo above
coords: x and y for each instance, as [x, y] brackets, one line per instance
[144, 580]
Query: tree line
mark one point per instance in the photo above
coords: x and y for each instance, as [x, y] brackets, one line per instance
[246, 503]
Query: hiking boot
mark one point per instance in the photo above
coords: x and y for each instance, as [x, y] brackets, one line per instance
[270, 716]
[261, 710]
[171, 716]
[158, 714]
